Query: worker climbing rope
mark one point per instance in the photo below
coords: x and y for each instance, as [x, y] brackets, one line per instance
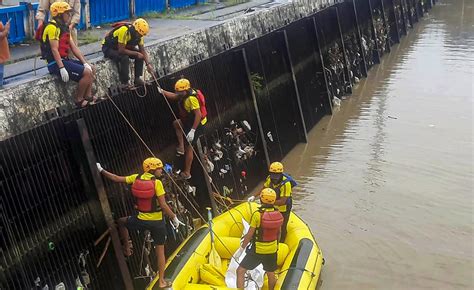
[150, 202]
[192, 119]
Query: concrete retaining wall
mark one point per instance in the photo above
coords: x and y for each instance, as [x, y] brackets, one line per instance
[23, 106]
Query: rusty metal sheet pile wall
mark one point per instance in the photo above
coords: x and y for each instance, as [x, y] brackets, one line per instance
[308, 69]
[282, 84]
[352, 40]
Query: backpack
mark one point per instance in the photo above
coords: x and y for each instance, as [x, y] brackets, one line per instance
[109, 39]
[202, 103]
[39, 32]
[291, 180]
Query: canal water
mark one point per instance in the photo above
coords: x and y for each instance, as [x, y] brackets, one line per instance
[386, 183]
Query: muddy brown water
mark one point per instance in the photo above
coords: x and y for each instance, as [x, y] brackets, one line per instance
[386, 183]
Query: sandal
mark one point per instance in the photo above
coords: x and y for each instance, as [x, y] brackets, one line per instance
[179, 152]
[127, 248]
[92, 99]
[184, 176]
[125, 87]
[168, 285]
[84, 103]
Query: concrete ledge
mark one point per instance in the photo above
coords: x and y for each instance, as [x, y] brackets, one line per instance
[23, 106]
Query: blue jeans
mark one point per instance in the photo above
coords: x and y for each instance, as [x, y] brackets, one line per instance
[2, 67]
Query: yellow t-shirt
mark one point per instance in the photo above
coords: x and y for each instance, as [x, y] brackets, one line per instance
[285, 191]
[51, 32]
[159, 190]
[123, 36]
[262, 247]
[192, 103]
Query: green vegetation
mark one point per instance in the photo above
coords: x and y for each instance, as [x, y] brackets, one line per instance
[229, 3]
[257, 81]
[169, 14]
[86, 37]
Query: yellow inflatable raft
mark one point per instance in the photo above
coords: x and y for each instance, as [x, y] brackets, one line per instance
[299, 259]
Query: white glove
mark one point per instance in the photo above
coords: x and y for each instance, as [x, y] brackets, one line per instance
[190, 136]
[99, 167]
[251, 198]
[87, 66]
[175, 222]
[239, 252]
[64, 74]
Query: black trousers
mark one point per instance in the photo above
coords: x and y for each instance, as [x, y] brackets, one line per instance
[286, 217]
[123, 63]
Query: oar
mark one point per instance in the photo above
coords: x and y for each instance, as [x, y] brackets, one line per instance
[214, 258]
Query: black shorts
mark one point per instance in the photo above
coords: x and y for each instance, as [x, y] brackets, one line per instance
[74, 67]
[252, 260]
[157, 228]
[199, 131]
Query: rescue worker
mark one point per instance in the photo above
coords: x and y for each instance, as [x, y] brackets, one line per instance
[44, 7]
[55, 47]
[121, 43]
[261, 241]
[282, 184]
[192, 118]
[150, 202]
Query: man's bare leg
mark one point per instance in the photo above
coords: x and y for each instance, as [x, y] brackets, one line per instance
[188, 160]
[160, 254]
[240, 277]
[271, 280]
[179, 136]
[84, 84]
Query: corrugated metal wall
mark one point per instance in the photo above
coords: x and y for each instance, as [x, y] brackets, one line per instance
[174, 4]
[145, 6]
[18, 15]
[102, 11]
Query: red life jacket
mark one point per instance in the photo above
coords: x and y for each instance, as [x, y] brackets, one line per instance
[145, 196]
[64, 41]
[270, 225]
[183, 114]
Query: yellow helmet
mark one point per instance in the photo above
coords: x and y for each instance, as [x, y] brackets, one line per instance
[141, 26]
[182, 85]
[276, 167]
[268, 196]
[58, 8]
[152, 164]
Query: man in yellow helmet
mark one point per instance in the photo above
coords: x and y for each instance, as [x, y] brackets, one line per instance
[44, 7]
[282, 184]
[261, 241]
[192, 118]
[121, 43]
[150, 202]
[56, 46]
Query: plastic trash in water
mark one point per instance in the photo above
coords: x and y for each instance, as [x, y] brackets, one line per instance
[168, 168]
[270, 136]
[336, 101]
